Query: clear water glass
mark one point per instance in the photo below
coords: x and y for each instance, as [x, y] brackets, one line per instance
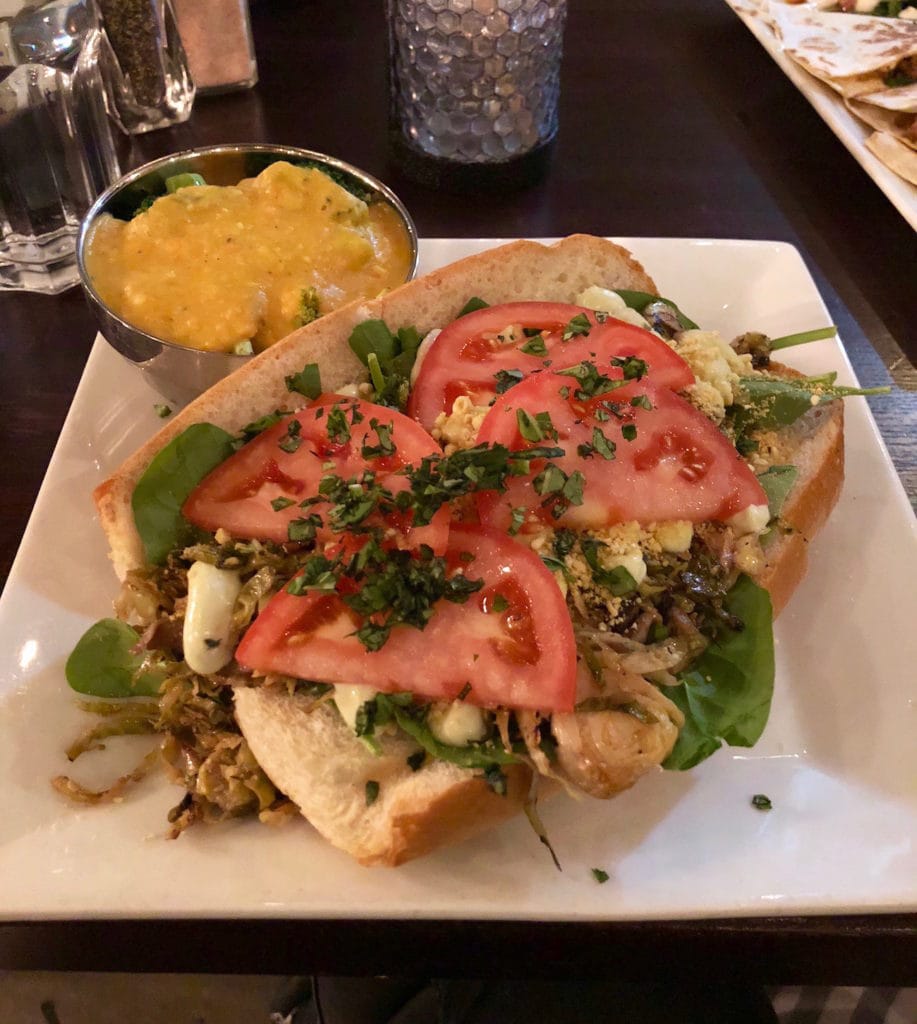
[58, 146]
[475, 82]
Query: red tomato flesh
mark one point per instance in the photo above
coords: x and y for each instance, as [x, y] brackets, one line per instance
[512, 641]
[677, 466]
[237, 495]
[468, 353]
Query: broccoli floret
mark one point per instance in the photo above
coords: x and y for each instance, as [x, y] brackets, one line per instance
[308, 307]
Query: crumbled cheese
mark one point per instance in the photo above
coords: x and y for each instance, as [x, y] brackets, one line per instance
[673, 537]
[715, 364]
[753, 519]
[422, 349]
[607, 301]
[460, 428]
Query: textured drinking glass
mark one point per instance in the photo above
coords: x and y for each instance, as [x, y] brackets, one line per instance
[57, 144]
[475, 82]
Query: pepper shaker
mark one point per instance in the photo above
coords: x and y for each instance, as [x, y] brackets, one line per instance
[150, 83]
[217, 38]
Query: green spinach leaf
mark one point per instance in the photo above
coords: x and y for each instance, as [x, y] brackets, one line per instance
[167, 482]
[777, 483]
[768, 403]
[475, 755]
[726, 694]
[103, 664]
[472, 306]
[388, 357]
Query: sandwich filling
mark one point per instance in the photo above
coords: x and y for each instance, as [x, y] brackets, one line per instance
[531, 537]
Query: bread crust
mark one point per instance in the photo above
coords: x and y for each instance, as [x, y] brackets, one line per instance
[311, 756]
[309, 753]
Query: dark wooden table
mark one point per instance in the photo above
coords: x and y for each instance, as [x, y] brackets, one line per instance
[674, 122]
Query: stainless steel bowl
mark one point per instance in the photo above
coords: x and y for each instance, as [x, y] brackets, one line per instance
[180, 373]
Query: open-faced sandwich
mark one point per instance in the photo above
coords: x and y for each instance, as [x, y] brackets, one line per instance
[518, 525]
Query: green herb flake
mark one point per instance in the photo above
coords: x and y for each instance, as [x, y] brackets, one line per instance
[162, 411]
[761, 802]
[499, 603]
[372, 792]
[535, 428]
[600, 445]
[338, 427]
[517, 519]
[386, 445]
[505, 379]
[578, 326]
[279, 504]
[302, 531]
[641, 402]
[629, 432]
[291, 441]
[600, 876]
[307, 382]
[634, 368]
[535, 346]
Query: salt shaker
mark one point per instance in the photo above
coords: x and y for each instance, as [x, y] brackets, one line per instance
[217, 37]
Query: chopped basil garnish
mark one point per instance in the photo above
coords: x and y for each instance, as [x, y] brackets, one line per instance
[291, 442]
[600, 876]
[338, 427]
[537, 427]
[372, 792]
[307, 382]
[629, 431]
[761, 802]
[506, 379]
[600, 445]
[578, 326]
[535, 346]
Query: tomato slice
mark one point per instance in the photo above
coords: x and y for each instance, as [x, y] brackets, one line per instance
[511, 642]
[286, 463]
[466, 356]
[667, 461]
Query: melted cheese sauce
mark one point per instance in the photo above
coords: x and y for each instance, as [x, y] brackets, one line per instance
[212, 267]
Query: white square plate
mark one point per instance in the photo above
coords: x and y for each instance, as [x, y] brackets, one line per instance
[838, 758]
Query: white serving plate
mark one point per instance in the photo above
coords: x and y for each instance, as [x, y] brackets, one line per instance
[838, 758]
[849, 129]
